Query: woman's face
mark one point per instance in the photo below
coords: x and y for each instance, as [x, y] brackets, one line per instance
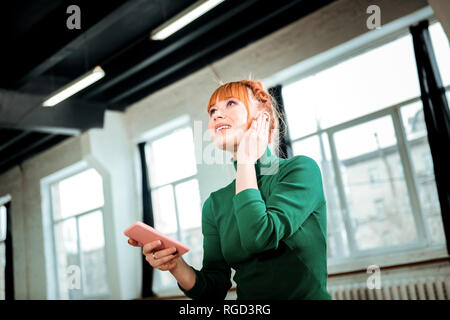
[228, 122]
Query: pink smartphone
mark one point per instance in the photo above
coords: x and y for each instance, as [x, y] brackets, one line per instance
[143, 233]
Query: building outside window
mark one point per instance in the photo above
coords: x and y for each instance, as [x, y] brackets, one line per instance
[79, 240]
[362, 121]
[379, 209]
[374, 175]
[175, 196]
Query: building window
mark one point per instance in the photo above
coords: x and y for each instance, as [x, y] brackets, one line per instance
[317, 147]
[79, 239]
[374, 175]
[379, 209]
[421, 159]
[175, 196]
[2, 251]
[427, 163]
[352, 118]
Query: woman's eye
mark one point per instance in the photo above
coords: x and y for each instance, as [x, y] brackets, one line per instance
[231, 102]
[211, 111]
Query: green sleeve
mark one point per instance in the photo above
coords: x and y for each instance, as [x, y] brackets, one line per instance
[297, 194]
[213, 281]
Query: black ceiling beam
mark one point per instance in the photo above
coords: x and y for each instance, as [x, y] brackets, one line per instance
[25, 111]
[26, 150]
[142, 81]
[10, 142]
[120, 75]
[79, 41]
[38, 144]
[37, 45]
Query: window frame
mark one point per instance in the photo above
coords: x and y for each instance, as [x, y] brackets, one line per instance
[330, 59]
[1, 206]
[424, 238]
[351, 49]
[50, 224]
[177, 124]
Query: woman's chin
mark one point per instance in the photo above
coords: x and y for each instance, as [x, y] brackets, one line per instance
[226, 144]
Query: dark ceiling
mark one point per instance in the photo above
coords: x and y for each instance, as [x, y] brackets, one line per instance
[40, 54]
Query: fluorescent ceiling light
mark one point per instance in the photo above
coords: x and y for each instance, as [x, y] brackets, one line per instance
[77, 85]
[183, 18]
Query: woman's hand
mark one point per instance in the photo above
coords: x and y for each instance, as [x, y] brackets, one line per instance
[254, 141]
[162, 259]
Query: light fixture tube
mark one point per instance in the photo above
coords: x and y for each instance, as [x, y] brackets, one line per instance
[183, 18]
[77, 85]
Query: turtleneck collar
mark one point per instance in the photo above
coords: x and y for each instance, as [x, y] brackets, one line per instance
[266, 162]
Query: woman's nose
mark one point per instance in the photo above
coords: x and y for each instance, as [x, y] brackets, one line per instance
[218, 114]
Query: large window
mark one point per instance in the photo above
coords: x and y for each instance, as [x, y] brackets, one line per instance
[79, 242]
[175, 196]
[362, 121]
[442, 52]
[2, 251]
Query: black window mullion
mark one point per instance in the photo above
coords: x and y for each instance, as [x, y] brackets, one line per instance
[437, 116]
[285, 141]
[147, 271]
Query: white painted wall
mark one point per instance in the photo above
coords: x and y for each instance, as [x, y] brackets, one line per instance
[112, 150]
[11, 183]
[107, 150]
[23, 184]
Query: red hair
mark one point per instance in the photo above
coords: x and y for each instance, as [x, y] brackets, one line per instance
[240, 90]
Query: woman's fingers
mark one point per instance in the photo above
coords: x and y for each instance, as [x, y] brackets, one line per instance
[165, 259]
[261, 131]
[254, 125]
[260, 122]
[134, 243]
[163, 253]
[266, 126]
[168, 265]
[157, 258]
[161, 259]
[157, 262]
[150, 247]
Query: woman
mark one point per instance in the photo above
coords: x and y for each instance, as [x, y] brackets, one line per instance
[269, 224]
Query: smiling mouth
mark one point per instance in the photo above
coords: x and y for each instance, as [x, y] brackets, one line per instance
[222, 128]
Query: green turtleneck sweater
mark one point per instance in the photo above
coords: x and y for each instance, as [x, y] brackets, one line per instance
[275, 237]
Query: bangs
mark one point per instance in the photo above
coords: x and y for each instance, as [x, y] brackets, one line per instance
[229, 90]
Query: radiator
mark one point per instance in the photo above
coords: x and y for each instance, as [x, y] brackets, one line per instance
[429, 288]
